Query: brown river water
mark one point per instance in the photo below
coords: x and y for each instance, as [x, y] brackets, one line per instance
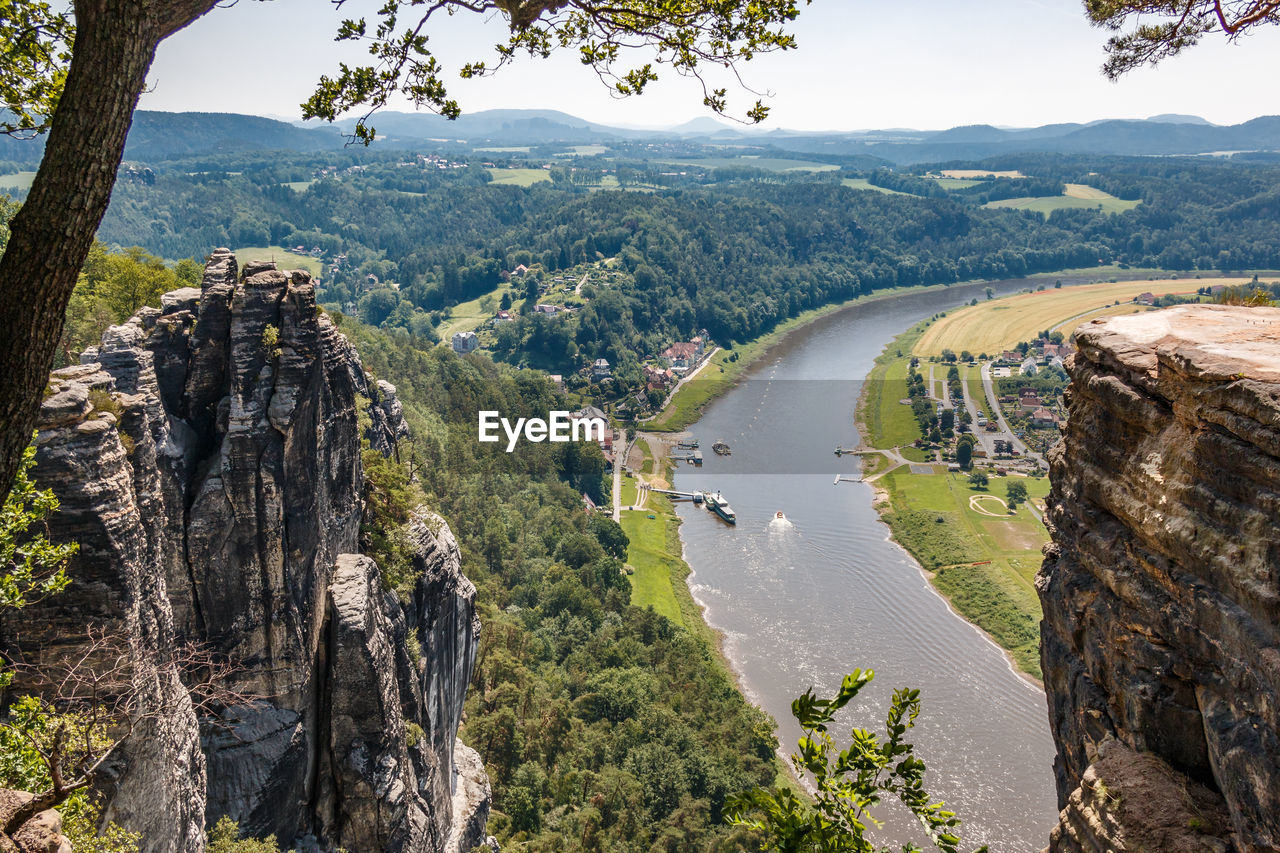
[804, 601]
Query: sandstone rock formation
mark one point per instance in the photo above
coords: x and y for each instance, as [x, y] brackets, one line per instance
[41, 834]
[1161, 590]
[207, 456]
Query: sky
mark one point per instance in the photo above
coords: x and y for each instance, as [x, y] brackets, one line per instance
[926, 64]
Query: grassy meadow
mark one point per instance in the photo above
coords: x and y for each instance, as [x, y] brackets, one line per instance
[285, 259]
[864, 184]
[469, 316]
[998, 593]
[886, 422]
[652, 554]
[1076, 196]
[519, 177]
[17, 181]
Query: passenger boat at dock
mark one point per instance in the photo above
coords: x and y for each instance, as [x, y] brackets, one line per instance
[721, 448]
[717, 504]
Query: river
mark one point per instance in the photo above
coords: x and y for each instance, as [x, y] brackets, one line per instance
[804, 602]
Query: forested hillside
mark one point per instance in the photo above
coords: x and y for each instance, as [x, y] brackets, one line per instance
[734, 252]
[602, 726]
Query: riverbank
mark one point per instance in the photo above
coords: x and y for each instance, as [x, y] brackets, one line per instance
[977, 552]
[723, 370]
[657, 568]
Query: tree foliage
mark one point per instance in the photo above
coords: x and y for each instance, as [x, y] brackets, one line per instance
[31, 567]
[685, 35]
[1164, 28]
[602, 726]
[35, 50]
[849, 783]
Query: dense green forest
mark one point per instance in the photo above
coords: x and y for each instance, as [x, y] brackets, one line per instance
[734, 251]
[602, 726]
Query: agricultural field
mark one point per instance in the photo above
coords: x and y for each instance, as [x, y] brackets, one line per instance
[966, 174]
[298, 186]
[1075, 196]
[285, 259]
[771, 164]
[519, 177]
[1069, 326]
[17, 181]
[955, 183]
[1000, 324]
[982, 558]
[864, 184]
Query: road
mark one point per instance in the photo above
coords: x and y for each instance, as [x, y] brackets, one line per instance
[946, 389]
[706, 362]
[993, 403]
[619, 460]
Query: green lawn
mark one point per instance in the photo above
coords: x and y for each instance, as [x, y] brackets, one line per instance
[298, 186]
[864, 184]
[285, 259]
[519, 177]
[629, 490]
[971, 376]
[999, 593]
[468, 316]
[17, 181]
[957, 183]
[1048, 204]
[888, 422]
[654, 554]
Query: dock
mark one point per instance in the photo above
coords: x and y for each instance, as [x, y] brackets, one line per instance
[841, 479]
[689, 496]
[694, 456]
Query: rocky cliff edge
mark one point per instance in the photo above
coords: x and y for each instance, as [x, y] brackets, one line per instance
[1161, 589]
[207, 459]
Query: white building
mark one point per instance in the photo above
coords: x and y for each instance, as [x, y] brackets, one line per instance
[465, 342]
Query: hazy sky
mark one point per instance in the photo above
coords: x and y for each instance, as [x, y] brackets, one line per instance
[860, 64]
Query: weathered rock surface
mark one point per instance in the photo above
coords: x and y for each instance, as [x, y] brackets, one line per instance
[41, 834]
[217, 500]
[1161, 589]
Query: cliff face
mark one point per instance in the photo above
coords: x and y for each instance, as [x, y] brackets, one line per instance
[207, 460]
[1161, 590]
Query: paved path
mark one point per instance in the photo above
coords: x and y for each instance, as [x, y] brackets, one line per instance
[619, 459]
[993, 402]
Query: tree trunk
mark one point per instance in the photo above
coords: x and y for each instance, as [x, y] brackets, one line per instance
[50, 236]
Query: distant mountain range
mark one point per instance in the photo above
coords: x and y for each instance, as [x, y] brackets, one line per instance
[158, 136]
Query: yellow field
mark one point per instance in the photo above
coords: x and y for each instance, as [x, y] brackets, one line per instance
[1085, 191]
[994, 326]
[1069, 326]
